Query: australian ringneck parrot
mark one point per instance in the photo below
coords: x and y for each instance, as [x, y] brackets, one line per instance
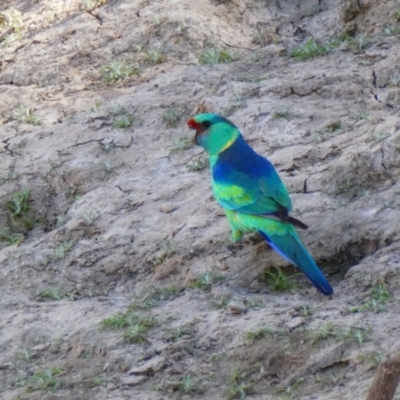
[252, 194]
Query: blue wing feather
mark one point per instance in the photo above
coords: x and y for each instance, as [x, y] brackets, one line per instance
[241, 166]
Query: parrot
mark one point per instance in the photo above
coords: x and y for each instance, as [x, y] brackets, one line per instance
[252, 194]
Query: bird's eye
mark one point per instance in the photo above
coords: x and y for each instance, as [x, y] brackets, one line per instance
[206, 124]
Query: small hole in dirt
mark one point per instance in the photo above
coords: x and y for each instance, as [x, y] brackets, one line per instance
[338, 265]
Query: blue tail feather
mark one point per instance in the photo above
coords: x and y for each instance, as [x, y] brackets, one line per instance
[290, 248]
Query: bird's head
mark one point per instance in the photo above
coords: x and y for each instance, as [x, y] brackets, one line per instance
[213, 132]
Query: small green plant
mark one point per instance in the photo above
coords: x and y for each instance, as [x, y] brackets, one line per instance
[181, 144]
[90, 5]
[397, 14]
[345, 187]
[61, 251]
[13, 240]
[338, 40]
[9, 39]
[306, 310]
[360, 42]
[322, 134]
[256, 56]
[370, 305]
[378, 136]
[117, 321]
[381, 292]
[107, 146]
[258, 333]
[198, 165]
[167, 293]
[46, 379]
[214, 56]
[289, 391]
[171, 117]
[216, 358]
[124, 122]
[333, 126]
[24, 355]
[377, 303]
[363, 115]
[136, 326]
[329, 330]
[136, 332]
[278, 281]
[154, 57]
[53, 293]
[97, 381]
[73, 193]
[89, 218]
[373, 358]
[168, 249]
[11, 19]
[188, 384]
[258, 38]
[360, 335]
[154, 297]
[61, 219]
[144, 304]
[310, 49]
[238, 386]
[205, 281]
[220, 302]
[106, 167]
[282, 113]
[253, 303]
[394, 79]
[181, 330]
[116, 72]
[19, 205]
[391, 30]
[26, 115]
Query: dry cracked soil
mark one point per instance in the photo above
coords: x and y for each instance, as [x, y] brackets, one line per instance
[118, 279]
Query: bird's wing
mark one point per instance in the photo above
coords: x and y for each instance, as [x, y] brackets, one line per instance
[251, 188]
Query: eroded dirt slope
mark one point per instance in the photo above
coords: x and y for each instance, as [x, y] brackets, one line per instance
[122, 282]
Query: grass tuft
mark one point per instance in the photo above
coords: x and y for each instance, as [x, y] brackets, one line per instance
[154, 57]
[238, 386]
[278, 281]
[124, 122]
[61, 251]
[171, 117]
[206, 280]
[116, 72]
[180, 144]
[168, 249]
[198, 165]
[258, 333]
[323, 332]
[281, 113]
[53, 293]
[377, 303]
[46, 379]
[214, 56]
[310, 49]
[136, 326]
[26, 115]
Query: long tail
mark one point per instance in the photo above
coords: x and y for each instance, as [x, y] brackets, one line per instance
[290, 247]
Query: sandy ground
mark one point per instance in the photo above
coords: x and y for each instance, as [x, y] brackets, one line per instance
[118, 278]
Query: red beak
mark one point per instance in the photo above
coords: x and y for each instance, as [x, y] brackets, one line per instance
[197, 127]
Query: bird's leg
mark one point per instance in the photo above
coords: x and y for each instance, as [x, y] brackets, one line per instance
[236, 235]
